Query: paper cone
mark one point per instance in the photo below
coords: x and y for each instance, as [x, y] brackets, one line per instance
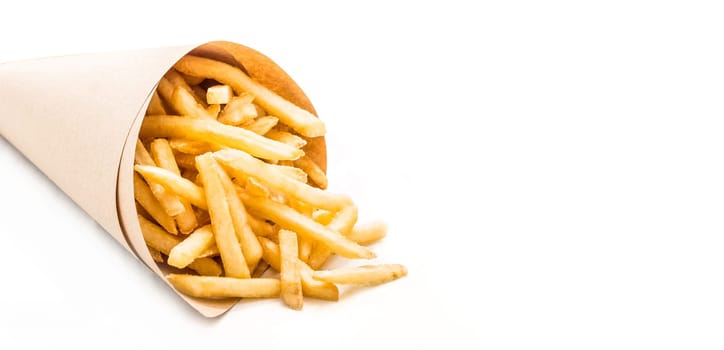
[77, 119]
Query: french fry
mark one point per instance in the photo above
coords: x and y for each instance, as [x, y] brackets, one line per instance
[193, 81]
[368, 275]
[323, 217]
[169, 202]
[261, 125]
[343, 223]
[185, 103]
[368, 233]
[175, 183]
[297, 118]
[292, 172]
[232, 256]
[291, 279]
[215, 132]
[225, 287]
[200, 95]
[271, 253]
[286, 138]
[206, 267]
[242, 164]
[155, 106]
[316, 174]
[317, 289]
[239, 110]
[249, 244]
[213, 111]
[256, 188]
[156, 255]
[163, 156]
[191, 147]
[186, 161]
[219, 94]
[260, 269]
[189, 249]
[288, 218]
[160, 240]
[261, 227]
[310, 287]
[148, 202]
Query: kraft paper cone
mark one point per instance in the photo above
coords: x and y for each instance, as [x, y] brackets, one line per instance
[77, 119]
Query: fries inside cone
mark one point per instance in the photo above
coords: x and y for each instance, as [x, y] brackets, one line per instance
[230, 185]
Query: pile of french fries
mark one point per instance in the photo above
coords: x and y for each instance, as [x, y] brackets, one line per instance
[225, 191]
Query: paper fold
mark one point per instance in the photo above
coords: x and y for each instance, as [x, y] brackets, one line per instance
[77, 119]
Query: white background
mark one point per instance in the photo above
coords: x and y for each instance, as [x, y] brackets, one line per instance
[551, 172]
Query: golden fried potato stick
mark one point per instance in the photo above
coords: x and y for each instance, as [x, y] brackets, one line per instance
[317, 289]
[164, 158]
[191, 147]
[261, 227]
[291, 279]
[215, 132]
[254, 187]
[323, 217]
[155, 106]
[169, 202]
[174, 183]
[260, 269]
[292, 172]
[243, 165]
[156, 255]
[192, 81]
[310, 287]
[297, 118]
[286, 138]
[200, 95]
[343, 223]
[316, 174]
[160, 240]
[225, 287]
[249, 244]
[266, 208]
[232, 256]
[289, 219]
[368, 275]
[368, 233]
[148, 202]
[186, 161]
[271, 253]
[190, 249]
[261, 125]
[239, 110]
[185, 103]
[206, 267]
[219, 94]
[168, 84]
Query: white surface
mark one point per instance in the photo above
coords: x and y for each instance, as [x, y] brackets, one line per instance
[552, 174]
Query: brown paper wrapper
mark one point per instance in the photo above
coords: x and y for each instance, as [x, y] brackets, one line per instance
[77, 119]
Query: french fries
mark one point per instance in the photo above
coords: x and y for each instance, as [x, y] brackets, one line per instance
[213, 131]
[298, 119]
[225, 287]
[368, 275]
[227, 183]
[232, 256]
[219, 95]
[163, 156]
[291, 278]
[184, 253]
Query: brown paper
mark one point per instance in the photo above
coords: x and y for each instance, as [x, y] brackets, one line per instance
[77, 119]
